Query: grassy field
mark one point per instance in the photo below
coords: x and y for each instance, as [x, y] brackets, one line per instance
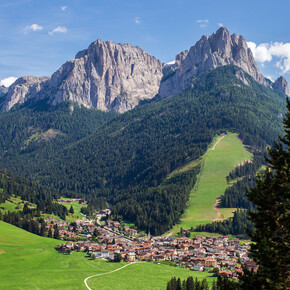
[77, 210]
[14, 204]
[28, 261]
[154, 277]
[227, 212]
[217, 163]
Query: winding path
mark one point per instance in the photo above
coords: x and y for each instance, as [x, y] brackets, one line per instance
[218, 140]
[101, 274]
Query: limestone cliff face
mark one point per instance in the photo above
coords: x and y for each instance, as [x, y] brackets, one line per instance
[116, 77]
[23, 89]
[281, 85]
[107, 76]
[209, 52]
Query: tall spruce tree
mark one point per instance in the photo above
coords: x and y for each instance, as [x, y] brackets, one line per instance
[71, 210]
[272, 218]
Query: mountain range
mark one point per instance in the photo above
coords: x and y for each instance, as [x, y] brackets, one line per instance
[66, 131]
[117, 77]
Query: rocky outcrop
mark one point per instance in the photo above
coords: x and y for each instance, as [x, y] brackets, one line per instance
[281, 85]
[23, 89]
[107, 76]
[209, 52]
[3, 90]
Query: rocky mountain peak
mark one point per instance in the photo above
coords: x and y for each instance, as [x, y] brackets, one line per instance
[116, 77]
[281, 85]
[106, 76]
[209, 52]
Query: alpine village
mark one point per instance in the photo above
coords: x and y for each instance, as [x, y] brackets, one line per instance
[119, 171]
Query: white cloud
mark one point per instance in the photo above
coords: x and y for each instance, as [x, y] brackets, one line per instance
[32, 27]
[59, 29]
[137, 20]
[8, 81]
[265, 52]
[63, 8]
[220, 24]
[261, 52]
[202, 23]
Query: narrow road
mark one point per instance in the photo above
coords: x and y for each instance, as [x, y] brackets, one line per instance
[168, 235]
[85, 281]
[117, 235]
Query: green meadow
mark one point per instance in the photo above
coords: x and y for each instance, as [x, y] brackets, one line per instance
[77, 210]
[28, 261]
[143, 276]
[216, 165]
[14, 204]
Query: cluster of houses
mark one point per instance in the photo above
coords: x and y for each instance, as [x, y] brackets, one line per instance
[199, 254]
[65, 229]
[125, 230]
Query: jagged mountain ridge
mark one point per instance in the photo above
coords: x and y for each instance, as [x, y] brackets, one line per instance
[209, 52]
[116, 77]
[107, 76]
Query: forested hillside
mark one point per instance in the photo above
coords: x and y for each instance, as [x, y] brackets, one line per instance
[36, 200]
[126, 160]
[31, 135]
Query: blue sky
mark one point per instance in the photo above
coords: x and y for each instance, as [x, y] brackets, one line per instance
[38, 36]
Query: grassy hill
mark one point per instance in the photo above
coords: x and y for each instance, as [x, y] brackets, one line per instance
[28, 261]
[14, 204]
[77, 210]
[217, 163]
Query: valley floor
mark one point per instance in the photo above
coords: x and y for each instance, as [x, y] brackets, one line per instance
[28, 261]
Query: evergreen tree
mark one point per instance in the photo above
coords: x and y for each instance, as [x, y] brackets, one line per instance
[56, 232]
[214, 286]
[204, 285]
[223, 283]
[71, 210]
[49, 235]
[190, 284]
[271, 219]
[42, 228]
[178, 284]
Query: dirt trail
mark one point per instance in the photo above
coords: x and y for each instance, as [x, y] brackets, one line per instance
[168, 235]
[216, 206]
[218, 140]
[101, 274]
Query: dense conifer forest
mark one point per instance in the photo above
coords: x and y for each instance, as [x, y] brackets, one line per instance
[124, 160]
